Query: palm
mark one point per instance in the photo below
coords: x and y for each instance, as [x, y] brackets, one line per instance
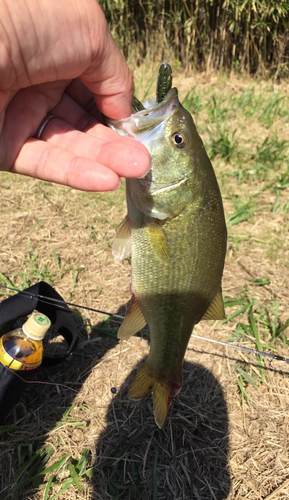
[75, 149]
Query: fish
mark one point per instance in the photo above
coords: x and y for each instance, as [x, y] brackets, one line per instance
[175, 234]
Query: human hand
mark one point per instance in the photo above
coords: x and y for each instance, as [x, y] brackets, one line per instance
[57, 57]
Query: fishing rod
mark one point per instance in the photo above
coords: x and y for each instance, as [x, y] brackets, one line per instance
[58, 302]
[61, 304]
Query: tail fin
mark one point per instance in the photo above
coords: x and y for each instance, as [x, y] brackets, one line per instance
[145, 382]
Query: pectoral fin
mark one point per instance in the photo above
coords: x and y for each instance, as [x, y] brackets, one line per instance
[216, 309]
[132, 323]
[121, 247]
[158, 240]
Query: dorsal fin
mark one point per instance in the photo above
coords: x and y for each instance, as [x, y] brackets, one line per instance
[216, 309]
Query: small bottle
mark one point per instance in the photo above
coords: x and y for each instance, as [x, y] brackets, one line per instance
[22, 348]
[21, 352]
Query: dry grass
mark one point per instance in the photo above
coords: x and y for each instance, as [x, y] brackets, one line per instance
[215, 444]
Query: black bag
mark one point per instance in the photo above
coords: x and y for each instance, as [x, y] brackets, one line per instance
[63, 322]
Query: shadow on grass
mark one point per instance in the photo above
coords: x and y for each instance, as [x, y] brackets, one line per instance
[187, 459]
[134, 459]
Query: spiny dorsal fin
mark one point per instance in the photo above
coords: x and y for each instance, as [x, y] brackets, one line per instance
[121, 247]
[216, 309]
[158, 240]
[132, 323]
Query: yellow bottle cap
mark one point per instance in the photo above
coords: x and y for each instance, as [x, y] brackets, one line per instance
[36, 326]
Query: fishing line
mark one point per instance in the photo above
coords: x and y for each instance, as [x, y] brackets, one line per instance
[49, 300]
[227, 344]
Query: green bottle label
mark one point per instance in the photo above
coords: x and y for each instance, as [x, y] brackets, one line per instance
[41, 319]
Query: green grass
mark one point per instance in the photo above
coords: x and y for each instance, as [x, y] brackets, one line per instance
[33, 465]
[222, 143]
[272, 151]
[274, 108]
[262, 330]
[35, 271]
[193, 102]
[32, 469]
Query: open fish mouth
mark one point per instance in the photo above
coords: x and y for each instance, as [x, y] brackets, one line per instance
[153, 118]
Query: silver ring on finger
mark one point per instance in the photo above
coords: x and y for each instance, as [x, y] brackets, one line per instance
[43, 125]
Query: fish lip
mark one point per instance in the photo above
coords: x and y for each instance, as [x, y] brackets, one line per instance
[141, 122]
[171, 95]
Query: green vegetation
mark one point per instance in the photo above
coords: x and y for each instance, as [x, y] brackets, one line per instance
[33, 468]
[262, 330]
[250, 35]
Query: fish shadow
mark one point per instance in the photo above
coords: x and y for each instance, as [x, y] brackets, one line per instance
[187, 459]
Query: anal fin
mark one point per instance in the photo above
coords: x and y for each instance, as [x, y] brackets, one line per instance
[132, 323]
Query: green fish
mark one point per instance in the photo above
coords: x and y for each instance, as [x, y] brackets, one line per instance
[175, 233]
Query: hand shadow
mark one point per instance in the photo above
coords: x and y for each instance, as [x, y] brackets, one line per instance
[187, 459]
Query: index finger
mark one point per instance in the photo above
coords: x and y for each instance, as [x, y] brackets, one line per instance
[108, 76]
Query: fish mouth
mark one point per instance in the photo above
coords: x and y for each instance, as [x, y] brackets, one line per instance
[155, 111]
[154, 115]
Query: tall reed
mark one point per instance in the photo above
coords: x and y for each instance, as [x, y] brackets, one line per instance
[246, 35]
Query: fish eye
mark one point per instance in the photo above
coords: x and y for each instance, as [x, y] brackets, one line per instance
[179, 139]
